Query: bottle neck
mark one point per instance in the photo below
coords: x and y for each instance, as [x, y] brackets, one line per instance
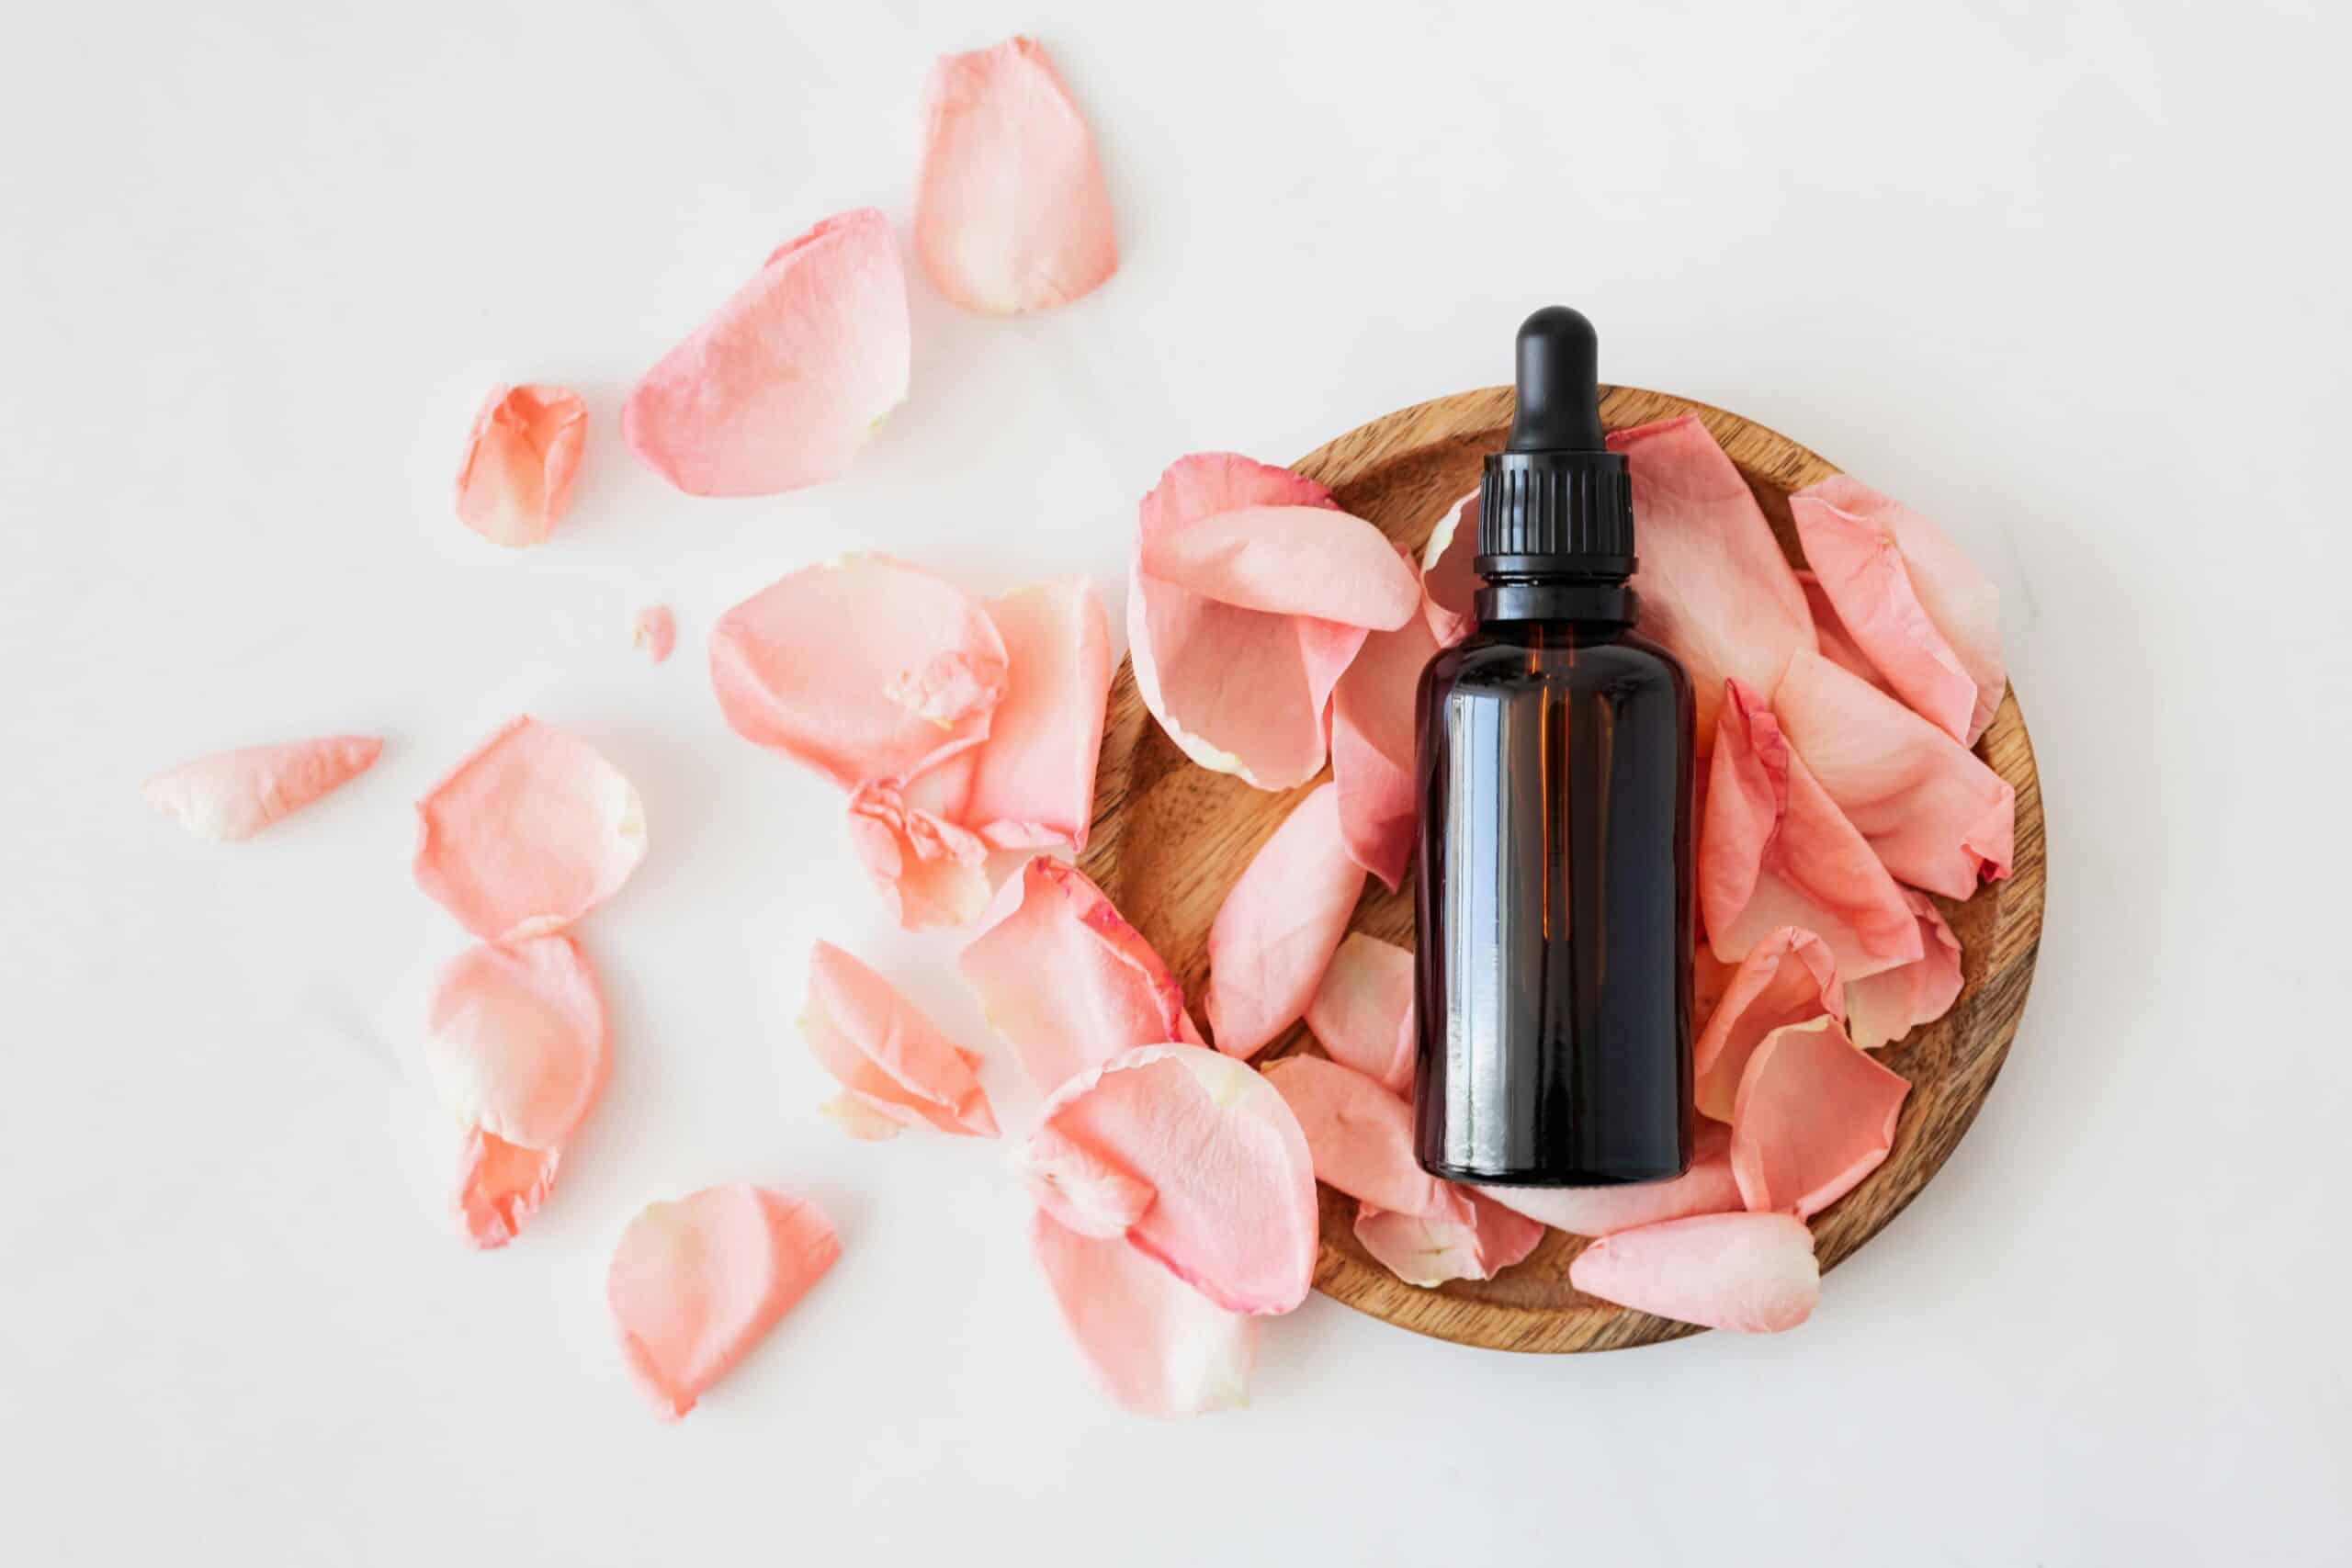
[1594, 600]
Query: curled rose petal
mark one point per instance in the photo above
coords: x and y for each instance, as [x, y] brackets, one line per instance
[1428, 1250]
[888, 1056]
[655, 631]
[1922, 612]
[1274, 934]
[1068, 981]
[500, 1186]
[1937, 816]
[516, 1042]
[1882, 1008]
[928, 870]
[1774, 851]
[1449, 582]
[1749, 1273]
[521, 457]
[234, 795]
[1714, 588]
[1361, 1135]
[1032, 785]
[1362, 1012]
[1156, 1346]
[1707, 1188]
[779, 389]
[1373, 723]
[1012, 214]
[1830, 634]
[694, 1284]
[1815, 1116]
[528, 834]
[1788, 978]
[864, 668]
[1307, 558]
[1085, 1189]
[1232, 1212]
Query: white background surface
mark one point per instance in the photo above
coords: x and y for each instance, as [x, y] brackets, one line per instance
[2070, 278]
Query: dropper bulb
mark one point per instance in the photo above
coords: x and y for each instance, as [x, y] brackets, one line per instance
[1559, 384]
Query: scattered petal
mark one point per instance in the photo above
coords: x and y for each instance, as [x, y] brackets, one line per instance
[928, 870]
[516, 1041]
[528, 834]
[1815, 1116]
[1749, 1273]
[1787, 977]
[889, 1056]
[1156, 1346]
[1428, 1250]
[521, 457]
[656, 632]
[234, 795]
[694, 1284]
[1085, 1189]
[1449, 581]
[1012, 214]
[1361, 1135]
[1032, 785]
[1305, 558]
[1373, 719]
[1277, 929]
[1362, 1012]
[500, 1186]
[1882, 1008]
[1707, 1188]
[864, 668]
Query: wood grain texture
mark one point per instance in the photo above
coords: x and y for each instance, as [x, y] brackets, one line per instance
[1170, 838]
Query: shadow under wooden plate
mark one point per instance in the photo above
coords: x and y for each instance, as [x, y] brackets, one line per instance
[1170, 838]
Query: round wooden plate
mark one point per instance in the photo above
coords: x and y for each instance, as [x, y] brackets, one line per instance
[1170, 838]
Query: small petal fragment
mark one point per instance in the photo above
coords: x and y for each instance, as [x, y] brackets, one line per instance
[1748, 1273]
[779, 389]
[234, 795]
[1815, 1116]
[655, 631]
[1362, 1013]
[1788, 978]
[1275, 933]
[1012, 214]
[1449, 582]
[1033, 783]
[528, 834]
[1882, 1008]
[1707, 1188]
[516, 1043]
[694, 1284]
[1372, 722]
[1428, 1250]
[887, 1055]
[521, 457]
[500, 1186]
[1068, 981]
[928, 870]
[1361, 1138]
[1156, 1346]
[864, 668]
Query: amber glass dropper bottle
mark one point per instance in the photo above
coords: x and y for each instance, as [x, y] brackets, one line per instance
[1555, 868]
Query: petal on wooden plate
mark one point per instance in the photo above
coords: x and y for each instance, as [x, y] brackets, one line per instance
[521, 457]
[1788, 978]
[1156, 1346]
[234, 795]
[1882, 1008]
[1373, 723]
[1749, 1273]
[886, 1053]
[1707, 1188]
[1815, 1116]
[516, 1041]
[1479, 1242]
[1274, 934]
[1361, 1136]
[1449, 581]
[1362, 1013]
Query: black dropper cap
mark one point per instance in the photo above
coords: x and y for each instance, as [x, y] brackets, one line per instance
[1554, 502]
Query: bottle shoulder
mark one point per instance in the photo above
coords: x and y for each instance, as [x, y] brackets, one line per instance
[1518, 653]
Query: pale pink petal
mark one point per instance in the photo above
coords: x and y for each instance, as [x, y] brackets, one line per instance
[1063, 977]
[1814, 1117]
[1882, 1008]
[1937, 816]
[500, 1186]
[1274, 934]
[1032, 785]
[528, 834]
[1373, 715]
[858, 1120]
[779, 389]
[1362, 1012]
[1707, 1188]
[1361, 1138]
[1428, 1250]
[234, 795]
[864, 668]
[1714, 588]
[1830, 634]
[1298, 560]
[1774, 851]
[1913, 602]
[1156, 1346]
[521, 457]
[928, 870]
[1012, 214]
[1233, 1208]
[1750, 1273]
[516, 1041]
[1788, 978]
[694, 1284]
[886, 1053]
[1449, 581]
[655, 631]
[1085, 1189]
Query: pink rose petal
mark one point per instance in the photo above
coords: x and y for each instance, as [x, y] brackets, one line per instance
[1032, 785]
[694, 1284]
[1829, 631]
[655, 631]
[1449, 580]
[1428, 1250]
[1304, 558]
[1788, 978]
[1749, 1273]
[1233, 1208]
[1884, 1008]
[1362, 1012]
[1373, 721]
[500, 1186]
[928, 870]
[528, 834]
[1277, 929]
[1361, 1135]
[1086, 1190]
[864, 668]
[779, 389]
[888, 1056]
[234, 795]
[1012, 214]
[521, 457]
[1715, 590]
[858, 1120]
[516, 1041]
[1063, 977]
[1707, 1188]
[1937, 816]
[1917, 606]
[1156, 1346]
[1814, 1117]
